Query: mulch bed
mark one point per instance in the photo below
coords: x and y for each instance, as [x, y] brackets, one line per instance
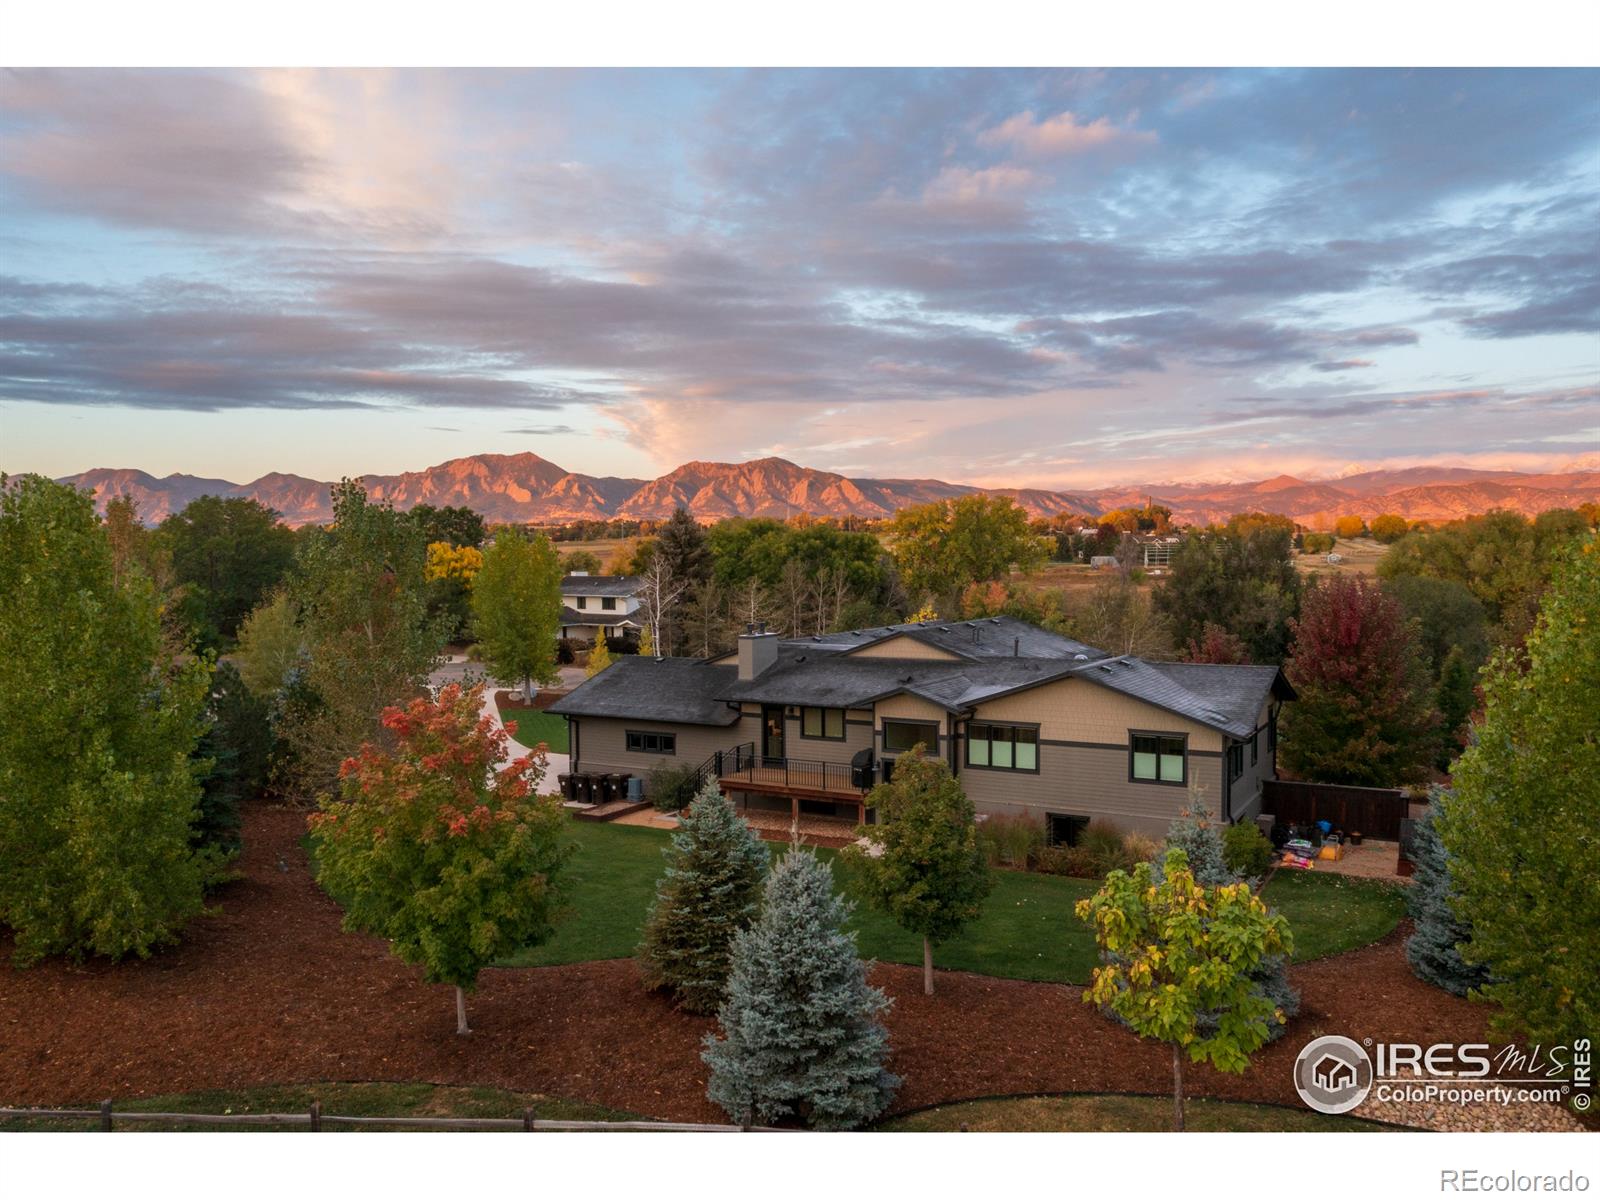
[270, 991]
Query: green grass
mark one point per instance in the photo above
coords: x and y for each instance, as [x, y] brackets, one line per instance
[1119, 1114]
[341, 1099]
[1329, 914]
[1027, 930]
[535, 726]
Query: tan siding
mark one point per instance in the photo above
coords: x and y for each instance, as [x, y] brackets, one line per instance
[1079, 781]
[904, 647]
[1075, 710]
[602, 746]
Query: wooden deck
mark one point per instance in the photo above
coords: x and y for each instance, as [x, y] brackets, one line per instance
[796, 781]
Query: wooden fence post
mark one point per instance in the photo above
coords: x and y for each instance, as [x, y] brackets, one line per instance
[105, 1116]
[527, 1120]
[316, 1116]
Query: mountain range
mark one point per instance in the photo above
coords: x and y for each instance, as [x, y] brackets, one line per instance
[525, 488]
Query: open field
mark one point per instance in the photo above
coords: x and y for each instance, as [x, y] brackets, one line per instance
[610, 551]
[1360, 556]
[1027, 931]
[1074, 578]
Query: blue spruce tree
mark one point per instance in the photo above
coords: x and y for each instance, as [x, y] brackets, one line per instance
[710, 891]
[1433, 950]
[801, 1036]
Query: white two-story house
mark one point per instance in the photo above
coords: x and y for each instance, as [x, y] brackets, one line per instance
[592, 603]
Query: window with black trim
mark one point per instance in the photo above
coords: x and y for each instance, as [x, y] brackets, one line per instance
[583, 602]
[1235, 761]
[826, 723]
[1158, 758]
[609, 603]
[901, 736]
[647, 742]
[1002, 747]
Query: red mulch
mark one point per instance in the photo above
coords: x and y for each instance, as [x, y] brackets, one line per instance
[270, 991]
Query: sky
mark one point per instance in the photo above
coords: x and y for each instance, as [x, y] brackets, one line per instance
[1062, 278]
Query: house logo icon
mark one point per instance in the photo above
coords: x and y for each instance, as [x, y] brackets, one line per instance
[1333, 1074]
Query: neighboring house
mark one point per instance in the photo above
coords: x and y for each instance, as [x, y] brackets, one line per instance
[591, 603]
[1030, 721]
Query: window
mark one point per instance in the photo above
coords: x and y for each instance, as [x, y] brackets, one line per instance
[900, 736]
[609, 603]
[652, 743]
[1255, 749]
[822, 723]
[583, 602]
[1157, 758]
[1003, 747]
[1235, 761]
[1064, 830]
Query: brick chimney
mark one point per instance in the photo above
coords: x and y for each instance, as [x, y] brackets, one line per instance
[758, 650]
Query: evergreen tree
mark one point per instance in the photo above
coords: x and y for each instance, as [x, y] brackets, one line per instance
[1434, 949]
[684, 553]
[801, 1036]
[98, 795]
[710, 891]
[238, 746]
[923, 866]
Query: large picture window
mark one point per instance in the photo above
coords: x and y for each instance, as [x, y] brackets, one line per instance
[901, 736]
[1003, 747]
[648, 742]
[1157, 758]
[822, 723]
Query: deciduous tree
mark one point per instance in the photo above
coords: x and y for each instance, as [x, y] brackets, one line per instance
[922, 865]
[229, 553]
[1239, 578]
[802, 1036]
[942, 547]
[516, 608]
[98, 791]
[434, 847]
[711, 890]
[1365, 711]
[272, 646]
[1519, 825]
[359, 590]
[1389, 528]
[1175, 951]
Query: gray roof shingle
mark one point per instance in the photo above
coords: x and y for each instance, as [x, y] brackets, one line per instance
[599, 585]
[682, 690]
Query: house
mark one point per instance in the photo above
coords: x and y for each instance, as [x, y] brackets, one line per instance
[591, 603]
[1030, 721]
[1334, 1074]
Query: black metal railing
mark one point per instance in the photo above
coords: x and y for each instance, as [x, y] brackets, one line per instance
[797, 773]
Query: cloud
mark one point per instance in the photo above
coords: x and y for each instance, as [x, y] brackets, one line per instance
[1343, 364]
[1062, 134]
[542, 430]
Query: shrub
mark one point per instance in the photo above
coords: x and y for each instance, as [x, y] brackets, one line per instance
[1067, 860]
[672, 786]
[1011, 841]
[1140, 847]
[1103, 842]
[566, 652]
[1246, 850]
[1317, 543]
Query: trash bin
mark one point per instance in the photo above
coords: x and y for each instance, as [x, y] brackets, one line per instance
[564, 785]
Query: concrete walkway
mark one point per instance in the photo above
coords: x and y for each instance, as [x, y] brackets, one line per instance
[457, 669]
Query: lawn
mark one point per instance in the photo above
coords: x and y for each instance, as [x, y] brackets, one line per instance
[341, 1099]
[1027, 930]
[1119, 1114]
[534, 726]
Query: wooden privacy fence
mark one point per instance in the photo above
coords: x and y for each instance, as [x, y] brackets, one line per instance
[1374, 812]
[315, 1121]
